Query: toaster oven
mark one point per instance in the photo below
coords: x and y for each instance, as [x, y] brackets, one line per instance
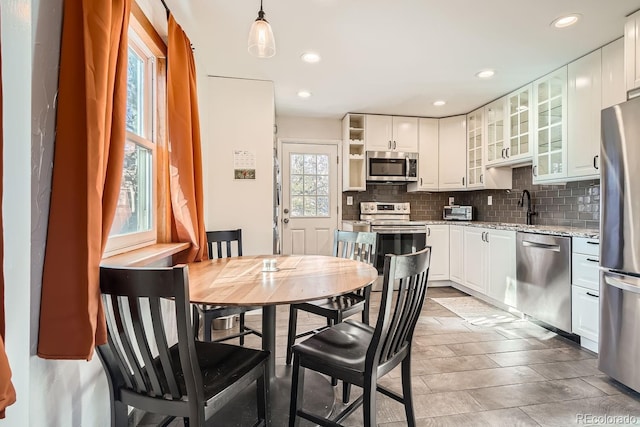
[458, 213]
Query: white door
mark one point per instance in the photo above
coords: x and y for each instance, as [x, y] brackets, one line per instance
[309, 198]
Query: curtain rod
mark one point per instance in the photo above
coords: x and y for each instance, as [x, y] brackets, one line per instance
[166, 8]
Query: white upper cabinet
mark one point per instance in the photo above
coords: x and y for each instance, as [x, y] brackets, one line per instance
[479, 176]
[613, 84]
[405, 134]
[495, 114]
[353, 155]
[585, 101]
[428, 156]
[475, 135]
[378, 130]
[452, 153]
[519, 146]
[550, 127]
[391, 133]
[632, 51]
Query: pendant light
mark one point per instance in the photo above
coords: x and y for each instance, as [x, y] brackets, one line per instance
[261, 41]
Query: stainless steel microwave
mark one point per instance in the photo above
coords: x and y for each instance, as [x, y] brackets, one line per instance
[392, 166]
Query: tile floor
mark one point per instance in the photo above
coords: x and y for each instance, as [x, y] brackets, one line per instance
[475, 365]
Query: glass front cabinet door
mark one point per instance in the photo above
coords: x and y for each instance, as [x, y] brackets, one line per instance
[550, 109]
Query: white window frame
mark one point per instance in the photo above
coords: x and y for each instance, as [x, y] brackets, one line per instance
[130, 241]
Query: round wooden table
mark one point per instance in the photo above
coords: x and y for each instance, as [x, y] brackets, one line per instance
[241, 281]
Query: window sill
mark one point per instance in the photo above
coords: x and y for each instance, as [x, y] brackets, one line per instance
[144, 256]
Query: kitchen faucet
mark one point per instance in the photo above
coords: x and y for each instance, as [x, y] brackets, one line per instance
[530, 211]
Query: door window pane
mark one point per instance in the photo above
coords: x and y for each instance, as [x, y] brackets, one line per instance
[309, 185]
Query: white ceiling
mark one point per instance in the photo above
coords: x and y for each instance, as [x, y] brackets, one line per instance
[396, 56]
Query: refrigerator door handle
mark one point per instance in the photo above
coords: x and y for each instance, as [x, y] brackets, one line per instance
[621, 284]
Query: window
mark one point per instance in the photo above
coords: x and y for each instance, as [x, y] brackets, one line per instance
[309, 185]
[134, 224]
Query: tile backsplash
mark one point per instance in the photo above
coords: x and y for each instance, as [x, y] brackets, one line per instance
[575, 204]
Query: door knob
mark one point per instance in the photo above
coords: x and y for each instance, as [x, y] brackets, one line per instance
[286, 210]
[286, 220]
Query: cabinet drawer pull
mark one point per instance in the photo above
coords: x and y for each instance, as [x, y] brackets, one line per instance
[503, 150]
[508, 152]
[534, 170]
[593, 260]
[592, 243]
[593, 295]
[595, 162]
[463, 180]
[420, 182]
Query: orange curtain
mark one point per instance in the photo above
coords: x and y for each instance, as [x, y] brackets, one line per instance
[88, 159]
[185, 154]
[7, 392]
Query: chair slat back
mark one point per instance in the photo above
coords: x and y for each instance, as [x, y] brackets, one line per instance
[399, 311]
[356, 245]
[223, 239]
[137, 339]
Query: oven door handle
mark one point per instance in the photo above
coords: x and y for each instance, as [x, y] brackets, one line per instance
[399, 230]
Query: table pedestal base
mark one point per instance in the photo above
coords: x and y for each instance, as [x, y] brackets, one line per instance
[319, 399]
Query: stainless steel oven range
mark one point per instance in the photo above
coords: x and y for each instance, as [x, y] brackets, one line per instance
[397, 234]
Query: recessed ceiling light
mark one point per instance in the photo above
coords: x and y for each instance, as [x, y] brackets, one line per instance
[439, 103]
[485, 74]
[310, 57]
[304, 93]
[566, 21]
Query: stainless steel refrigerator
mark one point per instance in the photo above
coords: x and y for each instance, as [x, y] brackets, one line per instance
[619, 340]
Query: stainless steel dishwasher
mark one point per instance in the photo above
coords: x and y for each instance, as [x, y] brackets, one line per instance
[543, 278]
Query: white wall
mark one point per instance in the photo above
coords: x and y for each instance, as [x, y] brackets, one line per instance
[16, 69]
[49, 393]
[61, 392]
[308, 128]
[238, 114]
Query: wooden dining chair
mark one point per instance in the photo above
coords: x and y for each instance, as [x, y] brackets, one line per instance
[190, 379]
[360, 246]
[360, 354]
[222, 241]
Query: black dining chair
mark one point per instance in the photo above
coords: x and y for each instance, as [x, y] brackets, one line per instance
[360, 246]
[360, 354]
[190, 379]
[222, 241]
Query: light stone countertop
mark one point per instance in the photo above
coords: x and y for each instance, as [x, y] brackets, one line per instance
[554, 230]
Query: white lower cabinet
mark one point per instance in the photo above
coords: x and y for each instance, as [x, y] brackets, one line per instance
[502, 266]
[476, 256]
[585, 291]
[490, 263]
[456, 253]
[585, 315]
[438, 239]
